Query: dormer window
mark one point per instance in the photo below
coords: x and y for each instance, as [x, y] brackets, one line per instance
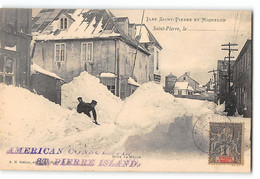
[63, 23]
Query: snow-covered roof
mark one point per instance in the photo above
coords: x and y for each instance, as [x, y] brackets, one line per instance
[35, 68]
[131, 81]
[108, 75]
[87, 24]
[190, 88]
[181, 85]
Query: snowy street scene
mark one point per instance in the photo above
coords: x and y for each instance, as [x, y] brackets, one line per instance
[125, 90]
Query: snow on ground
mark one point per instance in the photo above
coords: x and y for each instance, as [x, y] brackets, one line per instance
[27, 118]
[149, 120]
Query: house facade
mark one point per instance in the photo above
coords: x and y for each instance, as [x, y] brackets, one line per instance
[68, 42]
[242, 77]
[182, 89]
[15, 39]
[192, 83]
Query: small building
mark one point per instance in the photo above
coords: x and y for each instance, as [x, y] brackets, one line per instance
[46, 84]
[192, 83]
[170, 81]
[183, 89]
[242, 77]
[15, 39]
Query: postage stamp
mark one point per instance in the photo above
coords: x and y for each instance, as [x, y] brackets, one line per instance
[226, 143]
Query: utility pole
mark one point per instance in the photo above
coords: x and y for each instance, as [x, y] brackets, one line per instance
[228, 96]
[229, 45]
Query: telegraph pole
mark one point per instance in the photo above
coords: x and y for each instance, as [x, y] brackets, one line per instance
[229, 45]
[228, 96]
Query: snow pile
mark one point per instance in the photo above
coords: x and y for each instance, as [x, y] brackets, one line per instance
[148, 106]
[89, 88]
[27, 118]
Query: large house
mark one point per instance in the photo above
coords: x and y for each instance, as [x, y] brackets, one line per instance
[15, 39]
[242, 77]
[69, 41]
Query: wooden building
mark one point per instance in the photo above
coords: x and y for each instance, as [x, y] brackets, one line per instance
[192, 83]
[15, 39]
[69, 41]
[182, 89]
[46, 84]
[242, 76]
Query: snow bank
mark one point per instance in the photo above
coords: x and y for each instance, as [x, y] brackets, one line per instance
[90, 88]
[27, 118]
[148, 106]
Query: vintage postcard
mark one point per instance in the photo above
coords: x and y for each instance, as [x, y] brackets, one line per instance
[126, 90]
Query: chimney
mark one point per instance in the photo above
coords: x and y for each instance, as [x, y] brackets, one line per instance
[123, 22]
[132, 30]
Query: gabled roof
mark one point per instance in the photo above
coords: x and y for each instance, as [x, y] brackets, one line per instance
[88, 24]
[189, 77]
[147, 36]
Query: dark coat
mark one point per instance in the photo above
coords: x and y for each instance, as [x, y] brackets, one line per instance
[86, 108]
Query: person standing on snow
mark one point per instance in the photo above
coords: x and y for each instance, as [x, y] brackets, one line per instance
[86, 108]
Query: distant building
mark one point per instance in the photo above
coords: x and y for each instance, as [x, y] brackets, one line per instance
[170, 81]
[222, 79]
[69, 41]
[242, 76]
[15, 39]
[183, 89]
[192, 83]
[210, 86]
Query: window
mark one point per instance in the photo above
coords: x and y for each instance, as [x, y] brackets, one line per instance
[109, 83]
[87, 52]
[63, 23]
[60, 53]
[157, 60]
[184, 78]
[7, 70]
